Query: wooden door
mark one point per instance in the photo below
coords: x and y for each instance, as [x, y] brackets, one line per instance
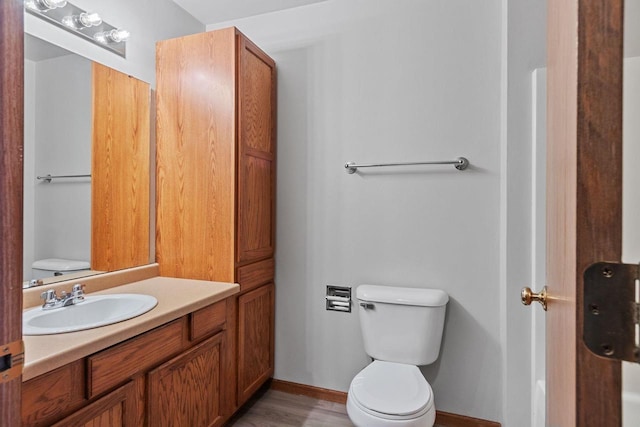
[187, 390]
[256, 156]
[119, 170]
[255, 340]
[196, 135]
[584, 207]
[11, 177]
[116, 409]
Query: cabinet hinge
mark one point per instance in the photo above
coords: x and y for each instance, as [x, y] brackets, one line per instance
[11, 361]
[612, 310]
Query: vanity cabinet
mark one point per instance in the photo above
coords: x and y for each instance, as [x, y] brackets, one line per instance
[169, 376]
[215, 192]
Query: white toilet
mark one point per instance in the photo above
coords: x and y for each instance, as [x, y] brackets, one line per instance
[402, 329]
[50, 267]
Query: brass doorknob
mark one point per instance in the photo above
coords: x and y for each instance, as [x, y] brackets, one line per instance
[527, 296]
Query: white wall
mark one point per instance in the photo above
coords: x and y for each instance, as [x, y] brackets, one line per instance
[389, 81]
[524, 35]
[148, 21]
[62, 214]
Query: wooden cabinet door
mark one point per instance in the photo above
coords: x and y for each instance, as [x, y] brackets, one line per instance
[255, 340]
[119, 170]
[186, 391]
[117, 409]
[256, 156]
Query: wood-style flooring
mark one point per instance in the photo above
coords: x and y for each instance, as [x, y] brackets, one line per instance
[272, 408]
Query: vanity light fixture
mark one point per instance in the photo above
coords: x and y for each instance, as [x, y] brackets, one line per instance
[88, 25]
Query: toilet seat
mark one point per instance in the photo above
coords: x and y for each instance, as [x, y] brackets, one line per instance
[389, 390]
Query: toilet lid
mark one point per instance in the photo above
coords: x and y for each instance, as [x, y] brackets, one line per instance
[392, 388]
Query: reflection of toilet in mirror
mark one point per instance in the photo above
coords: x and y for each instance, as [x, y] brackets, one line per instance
[402, 329]
[51, 267]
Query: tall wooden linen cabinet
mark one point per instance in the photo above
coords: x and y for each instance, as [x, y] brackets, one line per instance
[216, 136]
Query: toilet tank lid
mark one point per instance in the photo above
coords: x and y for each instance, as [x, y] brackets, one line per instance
[59, 264]
[402, 296]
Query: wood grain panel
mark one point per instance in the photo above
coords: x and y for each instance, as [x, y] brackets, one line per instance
[256, 114]
[230, 363]
[51, 396]
[208, 320]
[11, 180]
[255, 340]
[561, 205]
[255, 274]
[583, 200]
[196, 156]
[255, 209]
[119, 363]
[256, 175]
[117, 409]
[599, 198]
[120, 170]
[186, 390]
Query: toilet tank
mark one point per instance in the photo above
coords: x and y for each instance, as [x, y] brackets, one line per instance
[402, 325]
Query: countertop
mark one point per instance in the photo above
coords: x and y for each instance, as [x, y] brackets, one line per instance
[176, 298]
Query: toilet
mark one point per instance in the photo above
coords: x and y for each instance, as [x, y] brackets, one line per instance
[51, 267]
[402, 329]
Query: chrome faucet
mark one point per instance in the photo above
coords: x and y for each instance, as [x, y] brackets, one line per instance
[51, 300]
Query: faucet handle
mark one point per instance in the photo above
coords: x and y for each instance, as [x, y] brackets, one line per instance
[78, 289]
[49, 296]
[77, 293]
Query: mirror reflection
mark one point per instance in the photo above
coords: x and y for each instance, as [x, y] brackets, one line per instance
[57, 213]
[73, 108]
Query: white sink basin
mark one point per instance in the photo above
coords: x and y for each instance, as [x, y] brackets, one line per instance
[95, 311]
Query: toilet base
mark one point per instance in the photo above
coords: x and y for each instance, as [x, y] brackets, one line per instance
[360, 418]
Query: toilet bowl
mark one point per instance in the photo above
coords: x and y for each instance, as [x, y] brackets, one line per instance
[390, 394]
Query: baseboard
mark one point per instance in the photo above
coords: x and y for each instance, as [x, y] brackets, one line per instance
[443, 419]
[446, 419]
[309, 390]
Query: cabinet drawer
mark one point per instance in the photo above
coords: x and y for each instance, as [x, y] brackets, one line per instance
[208, 320]
[256, 274]
[119, 363]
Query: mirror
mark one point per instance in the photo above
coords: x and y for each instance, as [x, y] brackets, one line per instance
[71, 105]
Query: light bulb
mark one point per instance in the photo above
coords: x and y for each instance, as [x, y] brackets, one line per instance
[90, 19]
[115, 36]
[119, 35]
[53, 4]
[44, 5]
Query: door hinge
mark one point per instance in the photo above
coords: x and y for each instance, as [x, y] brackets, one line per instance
[11, 361]
[612, 310]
